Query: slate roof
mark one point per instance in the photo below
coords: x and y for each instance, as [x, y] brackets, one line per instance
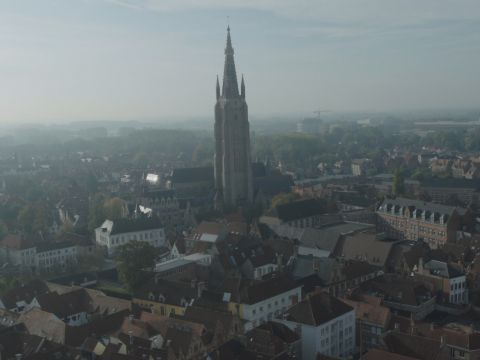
[172, 291]
[317, 309]
[273, 184]
[194, 174]
[378, 354]
[444, 269]
[302, 209]
[324, 238]
[399, 290]
[209, 317]
[365, 246]
[267, 288]
[416, 346]
[423, 206]
[122, 226]
[452, 183]
[253, 291]
[26, 292]
[48, 246]
[66, 304]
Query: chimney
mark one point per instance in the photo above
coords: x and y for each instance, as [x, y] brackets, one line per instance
[200, 288]
[420, 265]
[397, 326]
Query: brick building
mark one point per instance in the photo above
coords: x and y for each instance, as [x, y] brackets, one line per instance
[407, 219]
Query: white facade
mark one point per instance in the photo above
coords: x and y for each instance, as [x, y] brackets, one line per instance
[103, 237]
[268, 309]
[18, 257]
[334, 338]
[39, 259]
[60, 257]
[458, 290]
[263, 270]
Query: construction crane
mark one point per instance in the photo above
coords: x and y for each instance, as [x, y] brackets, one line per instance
[320, 112]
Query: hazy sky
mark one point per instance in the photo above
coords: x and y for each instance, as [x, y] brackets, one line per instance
[63, 60]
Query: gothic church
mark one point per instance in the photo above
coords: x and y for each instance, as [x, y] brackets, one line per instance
[232, 162]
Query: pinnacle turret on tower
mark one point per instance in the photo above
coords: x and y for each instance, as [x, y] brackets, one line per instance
[242, 88]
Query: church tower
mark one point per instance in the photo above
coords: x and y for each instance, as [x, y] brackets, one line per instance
[233, 170]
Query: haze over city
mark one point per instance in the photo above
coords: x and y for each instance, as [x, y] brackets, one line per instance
[63, 61]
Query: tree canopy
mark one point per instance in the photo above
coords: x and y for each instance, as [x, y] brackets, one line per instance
[131, 259]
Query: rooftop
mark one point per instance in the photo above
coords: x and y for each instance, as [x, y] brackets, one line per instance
[317, 309]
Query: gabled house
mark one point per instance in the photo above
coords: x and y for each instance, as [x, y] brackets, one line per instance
[325, 324]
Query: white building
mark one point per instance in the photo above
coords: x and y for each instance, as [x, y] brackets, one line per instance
[257, 302]
[40, 255]
[326, 326]
[50, 256]
[450, 278]
[112, 234]
[17, 250]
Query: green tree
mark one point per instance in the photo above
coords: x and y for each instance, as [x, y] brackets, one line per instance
[113, 208]
[8, 283]
[399, 182]
[96, 211]
[283, 198]
[131, 259]
[26, 218]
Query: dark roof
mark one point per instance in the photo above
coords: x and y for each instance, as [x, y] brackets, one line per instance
[378, 354]
[106, 325]
[26, 292]
[208, 317]
[451, 183]
[355, 268]
[267, 288]
[195, 174]
[444, 269]
[253, 291]
[160, 194]
[273, 184]
[77, 239]
[48, 246]
[70, 303]
[317, 309]
[172, 291]
[399, 290]
[258, 169]
[429, 207]
[281, 331]
[414, 346]
[76, 279]
[121, 226]
[303, 208]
